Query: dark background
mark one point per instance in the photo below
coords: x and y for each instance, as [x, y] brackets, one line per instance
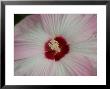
[19, 17]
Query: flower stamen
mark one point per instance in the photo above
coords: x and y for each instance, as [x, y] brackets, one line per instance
[54, 45]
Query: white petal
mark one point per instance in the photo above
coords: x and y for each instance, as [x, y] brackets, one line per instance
[78, 65]
[69, 22]
[29, 30]
[34, 66]
[87, 48]
[28, 36]
[58, 70]
[81, 28]
[52, 23]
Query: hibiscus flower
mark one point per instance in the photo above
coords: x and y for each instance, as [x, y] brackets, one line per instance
[56, 45]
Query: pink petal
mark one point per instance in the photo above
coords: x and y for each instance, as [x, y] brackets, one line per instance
[52, 23]
[27, 37]
[24, 51]
[79, 65]
[88, 29]
[81, 28]
[32, 66]
[84, 66]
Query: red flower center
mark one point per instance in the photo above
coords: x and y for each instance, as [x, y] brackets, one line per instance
[56, 48]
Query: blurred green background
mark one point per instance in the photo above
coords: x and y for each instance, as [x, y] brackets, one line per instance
[19, 17]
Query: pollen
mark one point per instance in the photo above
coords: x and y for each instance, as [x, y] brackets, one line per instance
[54, 45]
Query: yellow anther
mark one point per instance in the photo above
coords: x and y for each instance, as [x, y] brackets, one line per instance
[54, 45]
